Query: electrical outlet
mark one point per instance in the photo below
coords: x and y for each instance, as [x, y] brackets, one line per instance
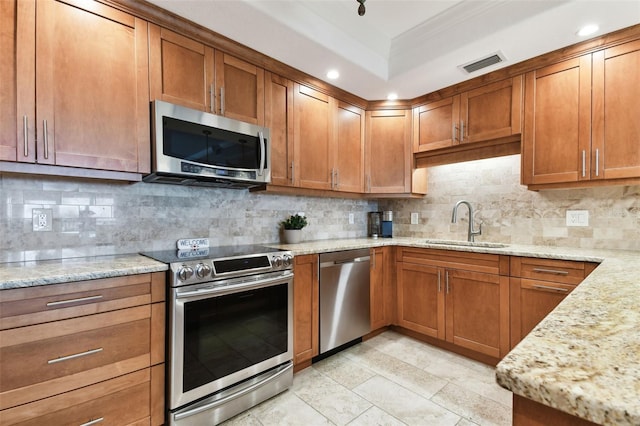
[415, 217]
[42, 219]
[351, 219]
[577, 217]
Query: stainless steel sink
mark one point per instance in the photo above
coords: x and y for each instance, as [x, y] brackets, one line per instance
[455, 243]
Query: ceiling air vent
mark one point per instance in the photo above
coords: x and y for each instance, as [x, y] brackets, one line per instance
[478, 64]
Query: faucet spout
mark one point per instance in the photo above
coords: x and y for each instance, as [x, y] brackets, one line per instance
[454, 217]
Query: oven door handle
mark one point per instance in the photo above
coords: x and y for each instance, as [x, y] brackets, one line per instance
[224, 400]
[234, 287]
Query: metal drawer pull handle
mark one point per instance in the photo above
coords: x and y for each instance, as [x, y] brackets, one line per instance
[597, 162]
[68, 357]
[439, 285]
[446, 278]
[46, 140]
[550, 271]
[93, 422]
[211, 98]
[544, 287]
[584, 163]
[222, 101]
[82, 299]
[26, 137]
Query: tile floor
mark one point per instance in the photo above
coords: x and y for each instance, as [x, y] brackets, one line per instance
[390, 380]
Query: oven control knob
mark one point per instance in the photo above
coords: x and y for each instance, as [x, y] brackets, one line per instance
[277, 261]
[202, 270]
[185, 273]
[286, 260]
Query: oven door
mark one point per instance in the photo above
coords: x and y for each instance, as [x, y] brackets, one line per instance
[224, 332]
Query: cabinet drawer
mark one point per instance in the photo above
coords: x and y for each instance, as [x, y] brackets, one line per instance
[478, 262]
[124, 400]
[34, 305]
[560, 271]
[47, 359]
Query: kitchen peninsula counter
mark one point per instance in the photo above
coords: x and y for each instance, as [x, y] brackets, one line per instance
[582, 359]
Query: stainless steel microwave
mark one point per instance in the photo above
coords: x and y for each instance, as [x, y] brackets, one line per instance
[191, 147]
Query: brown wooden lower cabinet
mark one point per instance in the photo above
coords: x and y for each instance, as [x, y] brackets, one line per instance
[537, 286]
[305, 309]
[530, 413]
[82, 351]
[461, 298]
[382, 287]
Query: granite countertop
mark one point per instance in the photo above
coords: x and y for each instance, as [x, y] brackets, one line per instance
[583, 358]
[43, 272]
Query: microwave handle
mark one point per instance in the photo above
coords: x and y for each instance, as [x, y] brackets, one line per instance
[263, 154]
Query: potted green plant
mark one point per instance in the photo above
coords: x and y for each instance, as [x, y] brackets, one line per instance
[292, 228]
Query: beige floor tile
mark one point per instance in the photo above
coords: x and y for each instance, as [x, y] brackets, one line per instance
[344, 371]
[331, 399]
[287, 409]
[472, 406]
[403, 404]
[374, 416]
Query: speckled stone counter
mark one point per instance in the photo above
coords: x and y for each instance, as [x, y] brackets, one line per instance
[583, 358]
[43, 272]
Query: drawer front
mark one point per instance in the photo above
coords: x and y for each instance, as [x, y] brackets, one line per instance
[35, 305]
[122, 401]
[47, 359]
[478, 262]
[560, 271]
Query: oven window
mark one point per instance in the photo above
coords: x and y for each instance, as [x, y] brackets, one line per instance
[209, 145]
[229, 333]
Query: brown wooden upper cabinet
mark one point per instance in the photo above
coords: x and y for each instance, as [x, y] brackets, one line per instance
[388, 162]
[186, 72]
[327, 152]
[581, 119]
[489, 112]
[81, 99]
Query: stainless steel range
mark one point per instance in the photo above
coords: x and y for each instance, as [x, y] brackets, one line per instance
[229, 335]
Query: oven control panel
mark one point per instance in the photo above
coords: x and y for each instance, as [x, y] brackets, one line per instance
[202, 270]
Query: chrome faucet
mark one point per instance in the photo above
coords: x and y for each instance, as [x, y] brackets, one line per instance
[471, 233]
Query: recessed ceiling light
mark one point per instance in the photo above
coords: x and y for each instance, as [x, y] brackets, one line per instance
[587, 30]
[333, 74]
[392, 96]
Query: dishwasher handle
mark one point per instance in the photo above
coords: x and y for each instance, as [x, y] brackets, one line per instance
[345, 261]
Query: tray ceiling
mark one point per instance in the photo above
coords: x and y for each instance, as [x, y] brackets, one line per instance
[411, 47]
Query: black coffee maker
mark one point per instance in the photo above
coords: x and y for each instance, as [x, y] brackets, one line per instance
[375, 224]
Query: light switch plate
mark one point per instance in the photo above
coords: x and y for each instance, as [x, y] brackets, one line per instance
[577, 217]
[351, 219]
[414, 218]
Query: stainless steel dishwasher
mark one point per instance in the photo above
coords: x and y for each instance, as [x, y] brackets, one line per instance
[344, 297]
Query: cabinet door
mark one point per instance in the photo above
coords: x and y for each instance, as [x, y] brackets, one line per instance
[180, 70]
[421, 301]
[241, 88]
[377, 289]
[92, 103]
[477, 311]
[279, 120]
[492, 111]
[349, 149]
[306, 292]
[436, 125]
[530, 302]
[313, 136]
[616, 128]
[557, 124]
[8, 129]
[388, 157]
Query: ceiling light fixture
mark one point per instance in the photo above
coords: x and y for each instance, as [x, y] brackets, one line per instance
[587, 30]
[361, 9]
[333, 74]
[392, 96]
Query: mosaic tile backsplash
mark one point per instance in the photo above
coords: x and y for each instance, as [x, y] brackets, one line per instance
[511, 214]
[101, 217]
